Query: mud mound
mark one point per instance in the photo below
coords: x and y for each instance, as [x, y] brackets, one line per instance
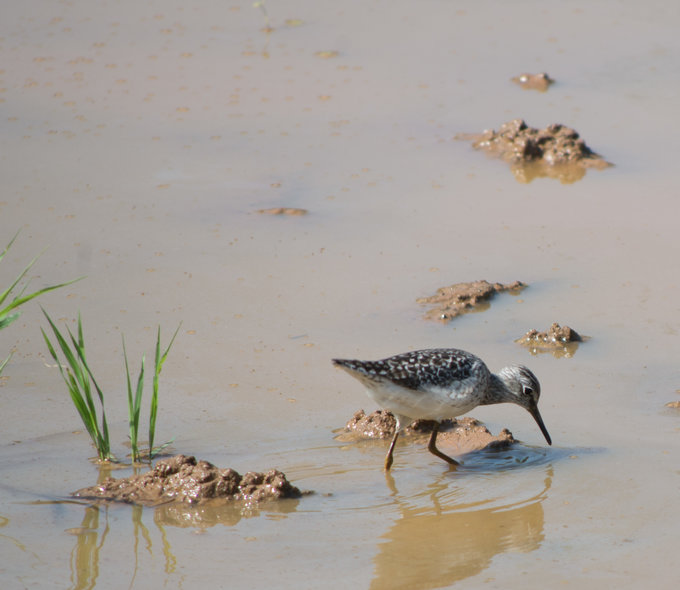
[466, 434]
[559, 340]
[381, 424]
[182, 479]
[556, 151]
[460, 298]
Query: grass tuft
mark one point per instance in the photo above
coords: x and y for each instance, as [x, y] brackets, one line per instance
[80, 382]
[135, 400]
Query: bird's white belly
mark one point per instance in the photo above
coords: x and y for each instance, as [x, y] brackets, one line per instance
[433, 404]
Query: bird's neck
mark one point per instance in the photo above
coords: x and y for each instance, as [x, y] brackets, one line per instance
[497, 392]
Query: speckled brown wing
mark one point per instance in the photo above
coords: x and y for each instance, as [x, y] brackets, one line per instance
[454, 371]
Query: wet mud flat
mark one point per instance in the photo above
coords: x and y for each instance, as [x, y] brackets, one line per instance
[184, 480]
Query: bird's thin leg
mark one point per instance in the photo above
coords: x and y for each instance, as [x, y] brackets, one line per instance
[388, 457]
[432, 447]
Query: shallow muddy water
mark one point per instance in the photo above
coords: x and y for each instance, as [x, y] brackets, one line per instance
[142, 139]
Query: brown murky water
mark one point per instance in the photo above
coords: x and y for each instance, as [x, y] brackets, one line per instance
[140, 142]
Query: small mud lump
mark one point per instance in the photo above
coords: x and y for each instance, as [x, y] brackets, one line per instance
[460, 298]
[283, 211]
[540, 82]
[560, 340]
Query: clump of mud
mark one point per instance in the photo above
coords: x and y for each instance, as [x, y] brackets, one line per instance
[540, 82]
[556, 151]
[559, 340]
[182, 479]
[674, 405]
[381, 424]
[466, 434]
[283, 211]
[460, 298]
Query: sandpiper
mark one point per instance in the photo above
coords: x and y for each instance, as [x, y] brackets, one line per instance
[442, 383]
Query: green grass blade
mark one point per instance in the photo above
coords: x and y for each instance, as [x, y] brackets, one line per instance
[153, 412]
[63, 345]
[140, 389]
[73, 377]
[4, 363]
[158, 365]
[2, 255]
[21, 300]
[134, 405]
[131, 409]
[106, 444]
[6, 320]
[138, 399]
[88, 419]
[22, 274]
[79, 346]
[80, 371]
[88, 376]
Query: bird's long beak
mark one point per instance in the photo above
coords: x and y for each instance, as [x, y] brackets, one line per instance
[533, 410]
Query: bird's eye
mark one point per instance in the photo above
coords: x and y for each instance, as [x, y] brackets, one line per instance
[528, 391]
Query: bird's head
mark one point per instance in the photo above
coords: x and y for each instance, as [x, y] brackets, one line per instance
[525, 390]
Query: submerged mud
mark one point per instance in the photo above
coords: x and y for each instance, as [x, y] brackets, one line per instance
[283, 211]
[556, 151]
[181, 479]
[540, 82]
[674, 404]
[466, 434]
[460, 298]
[559, 340]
